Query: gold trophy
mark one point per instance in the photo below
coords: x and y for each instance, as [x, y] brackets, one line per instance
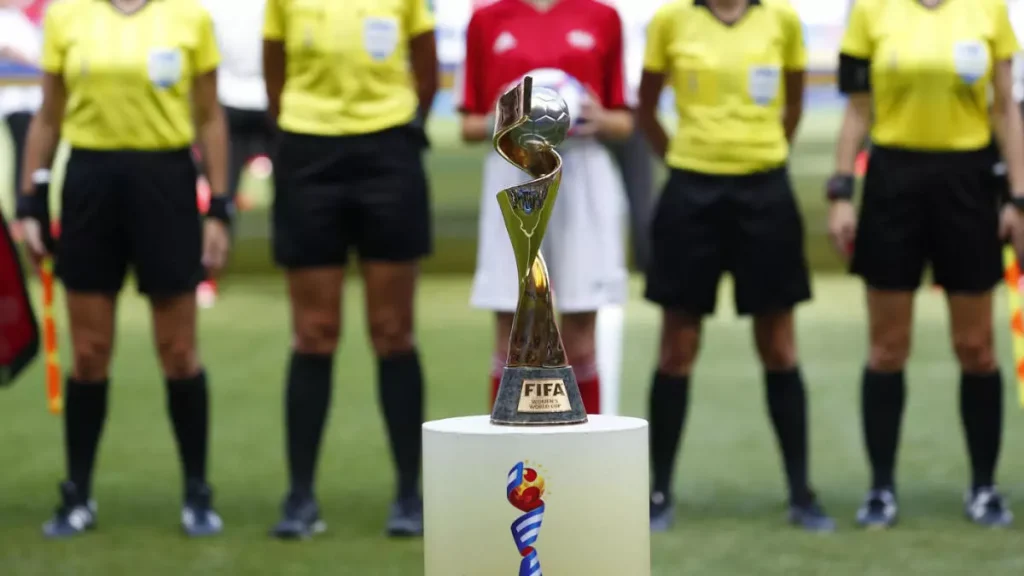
[538, 386]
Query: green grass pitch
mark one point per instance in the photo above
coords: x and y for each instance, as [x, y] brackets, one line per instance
[729, 480]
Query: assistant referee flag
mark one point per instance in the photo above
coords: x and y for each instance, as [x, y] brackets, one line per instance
[19, 333]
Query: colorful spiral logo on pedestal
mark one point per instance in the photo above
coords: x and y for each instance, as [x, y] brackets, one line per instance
[525, 491]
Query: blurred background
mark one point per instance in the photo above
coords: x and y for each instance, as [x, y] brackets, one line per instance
[730, 488]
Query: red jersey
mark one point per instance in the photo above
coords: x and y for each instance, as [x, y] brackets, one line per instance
[509, 38]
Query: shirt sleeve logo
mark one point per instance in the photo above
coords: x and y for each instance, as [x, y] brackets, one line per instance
[971, 60]
[165, 67]
[503, 43]
[380, 37]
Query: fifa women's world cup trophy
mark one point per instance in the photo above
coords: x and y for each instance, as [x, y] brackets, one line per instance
[537, 386]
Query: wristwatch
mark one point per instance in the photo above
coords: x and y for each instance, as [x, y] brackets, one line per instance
[222, 207]
[1017, 201]
[839, 187]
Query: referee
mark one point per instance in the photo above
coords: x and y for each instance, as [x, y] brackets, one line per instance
[929, 198]
[350, 85]
[128, 200]
[737, 72]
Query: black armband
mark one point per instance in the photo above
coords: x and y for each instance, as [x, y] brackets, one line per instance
[222, 208]
[839, 187]
[854, 75]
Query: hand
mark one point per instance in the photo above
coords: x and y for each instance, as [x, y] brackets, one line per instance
[216, 242]
[593, 116]
[32, 232]
[1011, 228]
[842, 227]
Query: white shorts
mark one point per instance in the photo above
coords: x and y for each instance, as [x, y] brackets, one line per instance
[583, 245]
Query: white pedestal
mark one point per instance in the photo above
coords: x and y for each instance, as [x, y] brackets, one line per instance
[595, 519]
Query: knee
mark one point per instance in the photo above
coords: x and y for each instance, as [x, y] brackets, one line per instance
[316, 334]
[91, 357]
[679, 348]
[179, 358]
[889, 351]
[580, 352]
[391, 334]
[777, 355]
[975, 352]
[579, 339]
[776, 345]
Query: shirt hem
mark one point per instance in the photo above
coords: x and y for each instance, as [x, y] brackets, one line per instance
[352, 129]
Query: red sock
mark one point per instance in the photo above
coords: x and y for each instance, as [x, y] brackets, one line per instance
[495, 383]
[590, 390]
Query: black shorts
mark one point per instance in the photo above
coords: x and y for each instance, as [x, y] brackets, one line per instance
[938, 208]
[130, 208]
[746, 225]
[251, 136]
[334, 193]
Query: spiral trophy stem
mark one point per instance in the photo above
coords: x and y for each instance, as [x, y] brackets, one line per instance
[537, 386]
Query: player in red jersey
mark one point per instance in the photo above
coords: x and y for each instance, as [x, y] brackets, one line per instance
[506, 40]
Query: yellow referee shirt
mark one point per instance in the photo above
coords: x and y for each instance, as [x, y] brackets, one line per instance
[348, 66]
[728, 82]
[128, 76]
[931, 68]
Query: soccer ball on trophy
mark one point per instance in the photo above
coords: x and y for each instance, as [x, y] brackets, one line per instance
[549, 121]
[568, 87]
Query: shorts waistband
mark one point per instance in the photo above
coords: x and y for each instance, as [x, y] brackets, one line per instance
[949, 158]
[343, 137]
[768, 172]
[92, 153]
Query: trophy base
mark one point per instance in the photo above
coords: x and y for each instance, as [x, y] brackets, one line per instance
[531, 396]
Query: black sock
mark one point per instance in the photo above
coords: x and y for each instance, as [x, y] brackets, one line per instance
[188, 403]
[981, 410]
[667, 415]
[882, 398]
[787, 406]
[85, 411]
[308, 396]
[401, 399]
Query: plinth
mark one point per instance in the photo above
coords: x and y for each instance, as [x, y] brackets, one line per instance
[506, 500]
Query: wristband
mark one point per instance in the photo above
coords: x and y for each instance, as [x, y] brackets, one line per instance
[221, 208]
[35, 205]
[839, 187]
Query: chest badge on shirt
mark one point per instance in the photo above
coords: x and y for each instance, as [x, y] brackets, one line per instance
[971, 60]
[763, 84]
[581, 40]
[380, 37]
[165, 67]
